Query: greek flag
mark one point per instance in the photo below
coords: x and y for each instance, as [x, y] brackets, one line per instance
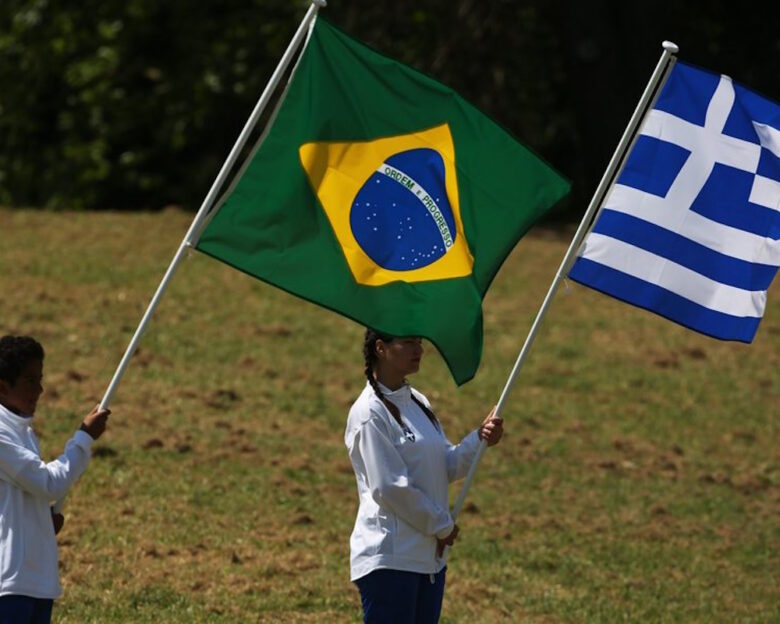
[691, 228]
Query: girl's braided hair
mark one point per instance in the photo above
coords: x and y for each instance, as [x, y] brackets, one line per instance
[370, 357]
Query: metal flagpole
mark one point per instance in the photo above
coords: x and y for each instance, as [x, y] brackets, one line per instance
[595, 203]
[191, 235]
[208, 202]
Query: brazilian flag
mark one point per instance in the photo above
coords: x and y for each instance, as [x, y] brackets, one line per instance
[382, 195]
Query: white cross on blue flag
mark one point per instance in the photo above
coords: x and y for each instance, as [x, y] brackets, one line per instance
[691, 228]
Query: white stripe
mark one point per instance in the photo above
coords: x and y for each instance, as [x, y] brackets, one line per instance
[721, 148]
[765, 192]
[720, 105]
[769, 137]
[673, 277]
[722, 238]
[667, 127]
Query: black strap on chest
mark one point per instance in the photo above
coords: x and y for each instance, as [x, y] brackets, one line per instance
[428, 412]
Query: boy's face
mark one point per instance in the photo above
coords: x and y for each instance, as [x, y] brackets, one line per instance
[22, 396]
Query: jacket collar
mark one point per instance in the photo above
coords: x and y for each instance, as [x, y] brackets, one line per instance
[401, 394]
[16, 421]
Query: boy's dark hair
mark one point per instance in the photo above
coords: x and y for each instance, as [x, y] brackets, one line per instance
[15, 353]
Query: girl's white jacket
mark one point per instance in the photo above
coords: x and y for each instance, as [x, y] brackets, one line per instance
[402, 480]
[28, 486]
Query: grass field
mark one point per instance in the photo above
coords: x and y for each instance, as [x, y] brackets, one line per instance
[638, 480]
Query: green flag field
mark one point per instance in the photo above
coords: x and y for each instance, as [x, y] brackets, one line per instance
[638, 480]
[386, 254]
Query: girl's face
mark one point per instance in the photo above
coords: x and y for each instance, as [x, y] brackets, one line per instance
[400, 356]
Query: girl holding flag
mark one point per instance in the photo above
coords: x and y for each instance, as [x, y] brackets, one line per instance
[403, 465]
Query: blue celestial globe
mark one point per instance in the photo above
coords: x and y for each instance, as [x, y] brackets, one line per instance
[401, 217]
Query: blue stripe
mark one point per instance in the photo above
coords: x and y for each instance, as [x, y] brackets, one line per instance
[653, 165]
[739, 123]
[757, 107]
[769, 165]
[663, 302]
[724, 199]
[687, 93]
[667, 244]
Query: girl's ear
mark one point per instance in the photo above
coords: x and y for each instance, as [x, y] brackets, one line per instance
[380, 348]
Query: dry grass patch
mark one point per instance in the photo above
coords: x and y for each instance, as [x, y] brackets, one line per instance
[638, 480]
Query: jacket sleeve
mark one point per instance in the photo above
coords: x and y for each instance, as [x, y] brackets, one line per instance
[49, 481]
[459, 457]
[388, 482]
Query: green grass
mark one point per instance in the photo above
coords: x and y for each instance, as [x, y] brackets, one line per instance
[638, 480]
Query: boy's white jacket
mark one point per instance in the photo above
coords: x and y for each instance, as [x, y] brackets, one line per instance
[402, 483]
[28, 486]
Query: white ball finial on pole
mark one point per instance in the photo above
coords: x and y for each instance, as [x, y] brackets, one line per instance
[673, 48]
